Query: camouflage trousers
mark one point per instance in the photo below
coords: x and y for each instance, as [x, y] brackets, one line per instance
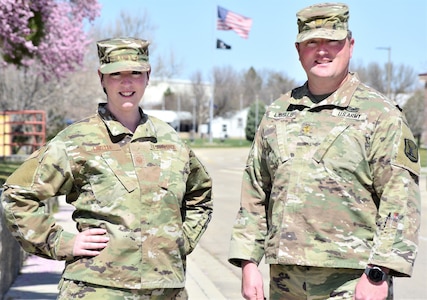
[69, 289]
[298, 282]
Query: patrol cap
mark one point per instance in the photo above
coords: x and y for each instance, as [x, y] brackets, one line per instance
[123, 54]
[324, 21]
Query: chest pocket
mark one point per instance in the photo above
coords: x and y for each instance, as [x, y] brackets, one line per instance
[341, 151]
[111, 175]
[275, 140]
[163, 166]
[174, 170]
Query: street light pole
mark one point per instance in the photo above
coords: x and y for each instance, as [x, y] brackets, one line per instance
[388, 69]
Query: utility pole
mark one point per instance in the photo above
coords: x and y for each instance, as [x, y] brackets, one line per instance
[388, 69]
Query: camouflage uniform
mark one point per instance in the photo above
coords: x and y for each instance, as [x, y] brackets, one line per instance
[147, 189]
[332, 184]
[123, 54]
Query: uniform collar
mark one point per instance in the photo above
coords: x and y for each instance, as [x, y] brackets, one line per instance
[339, 98]
[145, 128]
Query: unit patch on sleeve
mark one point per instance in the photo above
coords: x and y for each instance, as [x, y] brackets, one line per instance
[407, 152]
[411, 150]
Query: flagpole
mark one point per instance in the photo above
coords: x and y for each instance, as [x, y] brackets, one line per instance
[211, 102]
[227, 20]
[211, 118]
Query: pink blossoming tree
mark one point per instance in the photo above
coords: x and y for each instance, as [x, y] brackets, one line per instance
[46, 35]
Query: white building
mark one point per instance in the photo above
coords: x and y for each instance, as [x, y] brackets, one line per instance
[232, 126]
[156, 89]
[178, 120]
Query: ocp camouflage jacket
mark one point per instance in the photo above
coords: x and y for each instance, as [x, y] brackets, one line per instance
[331, 184]
[147, 189]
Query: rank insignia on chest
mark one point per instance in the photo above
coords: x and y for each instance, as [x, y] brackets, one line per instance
[306, 129]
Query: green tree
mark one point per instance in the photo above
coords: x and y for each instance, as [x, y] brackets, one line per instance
[256, 111]
[252, 84]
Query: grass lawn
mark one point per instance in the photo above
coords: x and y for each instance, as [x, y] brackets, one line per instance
[218, 143]
[6, 168]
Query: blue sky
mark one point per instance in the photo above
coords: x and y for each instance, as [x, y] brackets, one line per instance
[188, 28]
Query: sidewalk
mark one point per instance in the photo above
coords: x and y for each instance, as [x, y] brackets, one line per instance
[39, 277]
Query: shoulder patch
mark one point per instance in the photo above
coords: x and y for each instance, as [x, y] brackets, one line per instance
[407, 153]
[411, 150]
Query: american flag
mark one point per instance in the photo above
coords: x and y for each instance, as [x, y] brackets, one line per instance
[228, 20]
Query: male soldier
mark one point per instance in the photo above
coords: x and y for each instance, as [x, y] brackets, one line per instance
[142, 199]
[330, 192]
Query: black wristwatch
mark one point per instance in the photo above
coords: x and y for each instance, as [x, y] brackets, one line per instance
[375, 274]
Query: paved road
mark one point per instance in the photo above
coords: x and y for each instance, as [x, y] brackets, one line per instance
[225, 166]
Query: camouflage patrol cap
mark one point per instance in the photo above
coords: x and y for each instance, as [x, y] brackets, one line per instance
[123, 54]
[324, 21]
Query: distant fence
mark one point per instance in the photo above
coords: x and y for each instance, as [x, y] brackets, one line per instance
[21, 128]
